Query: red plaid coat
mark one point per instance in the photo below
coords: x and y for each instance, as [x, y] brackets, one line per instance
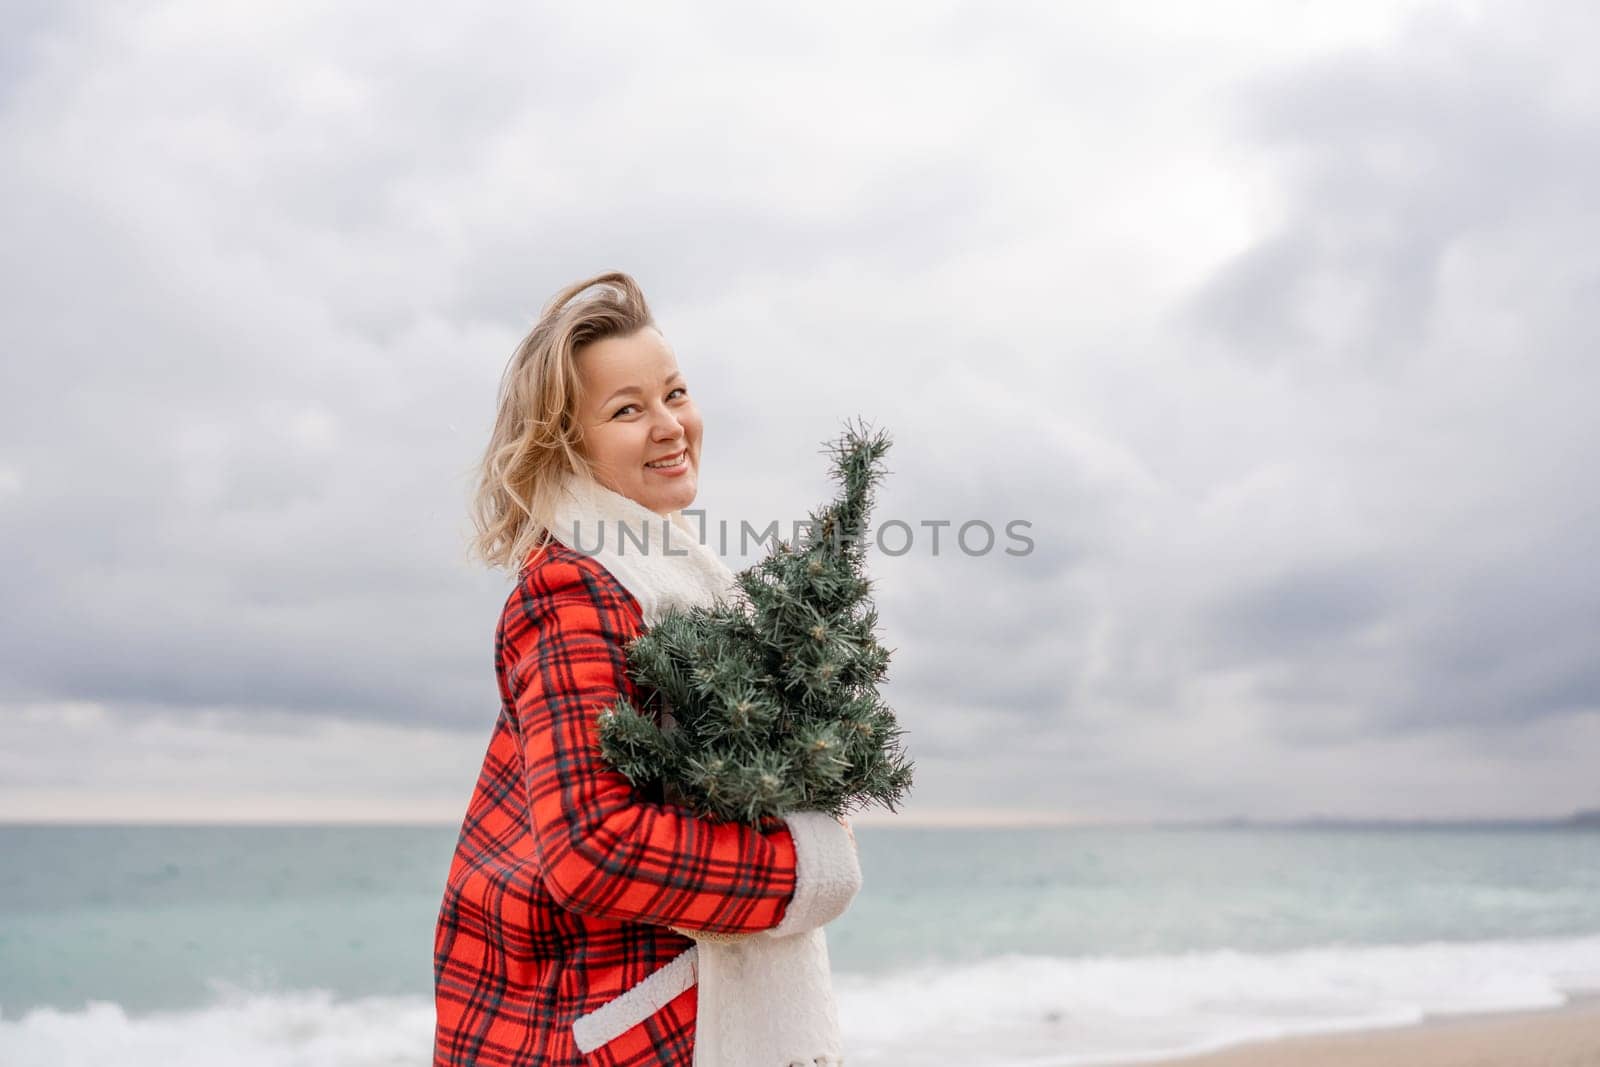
[565, 879]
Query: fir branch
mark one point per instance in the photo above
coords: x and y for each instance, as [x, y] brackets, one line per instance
[774, 694]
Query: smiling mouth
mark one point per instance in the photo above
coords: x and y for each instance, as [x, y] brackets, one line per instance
[667, 464]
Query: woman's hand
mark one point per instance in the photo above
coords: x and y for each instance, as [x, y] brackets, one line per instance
[703, 935]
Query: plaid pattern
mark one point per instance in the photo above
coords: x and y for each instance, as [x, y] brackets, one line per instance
[565, 879]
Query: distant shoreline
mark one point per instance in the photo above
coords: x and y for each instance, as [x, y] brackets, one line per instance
[1001, 819]
[1588, 819]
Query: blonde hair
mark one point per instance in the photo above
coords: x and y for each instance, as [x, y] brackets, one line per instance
[533, 449]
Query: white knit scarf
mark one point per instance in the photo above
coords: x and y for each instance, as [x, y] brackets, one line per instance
[763, 1000]
[659, 560]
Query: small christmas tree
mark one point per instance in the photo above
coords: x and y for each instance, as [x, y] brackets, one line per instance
[773, 695]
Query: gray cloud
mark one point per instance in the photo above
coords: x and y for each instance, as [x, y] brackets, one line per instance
[1397, 158]
[1285, 354]
[1303, 613]
[1425, 177]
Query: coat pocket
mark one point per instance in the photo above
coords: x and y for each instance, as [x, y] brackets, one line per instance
[623, 1013]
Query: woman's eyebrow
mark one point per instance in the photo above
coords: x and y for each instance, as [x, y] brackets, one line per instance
[627, 390]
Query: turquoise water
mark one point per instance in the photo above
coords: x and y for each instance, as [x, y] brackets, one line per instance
[151, 917]
[141, 921]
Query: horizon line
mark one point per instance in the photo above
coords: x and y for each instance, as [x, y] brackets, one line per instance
[978, 818]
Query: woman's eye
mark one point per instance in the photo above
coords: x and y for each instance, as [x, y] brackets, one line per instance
[625, 407]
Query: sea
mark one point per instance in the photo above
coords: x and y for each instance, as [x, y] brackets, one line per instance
[312, 945]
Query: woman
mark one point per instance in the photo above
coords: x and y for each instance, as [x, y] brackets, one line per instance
[564, 934]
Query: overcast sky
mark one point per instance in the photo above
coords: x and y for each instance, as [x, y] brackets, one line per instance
[1277, 321]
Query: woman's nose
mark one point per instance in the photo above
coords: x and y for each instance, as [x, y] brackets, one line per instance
[667, 426]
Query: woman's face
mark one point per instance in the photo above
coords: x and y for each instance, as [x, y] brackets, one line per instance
[636, 411]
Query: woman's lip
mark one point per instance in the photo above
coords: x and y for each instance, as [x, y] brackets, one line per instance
[672, 471]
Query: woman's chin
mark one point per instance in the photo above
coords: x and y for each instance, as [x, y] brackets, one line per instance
[681, 500]
[661, 499]
[679, 496]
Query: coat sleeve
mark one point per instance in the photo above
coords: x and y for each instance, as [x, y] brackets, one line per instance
[603, 851]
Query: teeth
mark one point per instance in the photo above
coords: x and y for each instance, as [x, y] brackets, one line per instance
[677, 461]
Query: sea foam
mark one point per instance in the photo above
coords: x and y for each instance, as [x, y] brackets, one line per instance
[1006, 1011]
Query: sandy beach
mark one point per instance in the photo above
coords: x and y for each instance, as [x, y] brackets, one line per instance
[1568, 1036]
